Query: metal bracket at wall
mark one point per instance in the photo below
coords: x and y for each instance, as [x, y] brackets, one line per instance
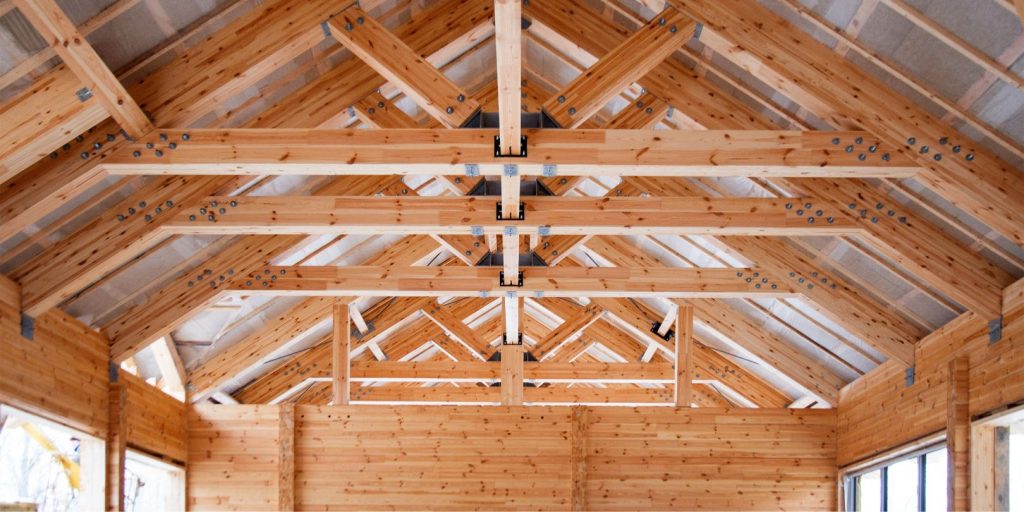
[28, 327]
[668, 334]
[113, 371]
[498, 148]
[517, 284]
[83, 94]
[995, 330]
[908, 376]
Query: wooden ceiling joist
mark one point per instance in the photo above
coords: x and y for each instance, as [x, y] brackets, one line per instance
[572, 152]
[372, 281]
[477, 216]
[400, 65]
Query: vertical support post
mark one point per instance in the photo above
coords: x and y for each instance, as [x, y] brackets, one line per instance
[512, 352]
[117, 443]
[508, 44]
[340, 354]
[286, 457]
[510, 254]
[684, 356]
[579, 424]
[958, 434]
[510, 197]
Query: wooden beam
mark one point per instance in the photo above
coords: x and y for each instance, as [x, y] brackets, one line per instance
[684, 356]
[488, 395]
[958, 434]
[512, 352]
[956, 168]
[567, 329]
[578, 429]
[765, 153]
[321, 214]
[453, 325]
[643, 114]
[116, 442]
[477, 371]
[624, 65]
[285, 459]
[49, 19]
[379, 112]
[400, 65]
[340, 348]
[508, 45]
[375, 281]
[172, 369]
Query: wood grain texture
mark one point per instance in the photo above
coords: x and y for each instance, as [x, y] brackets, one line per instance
[498, 458]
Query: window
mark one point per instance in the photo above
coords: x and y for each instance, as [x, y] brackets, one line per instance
[914, 482]
[151, 484]
[1015, 471]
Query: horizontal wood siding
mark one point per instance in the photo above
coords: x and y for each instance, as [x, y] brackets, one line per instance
[155, 421]
[61, 374]
[463, 457]
[879, 411]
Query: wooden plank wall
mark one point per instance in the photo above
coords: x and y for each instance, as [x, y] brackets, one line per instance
[61, 374]
[155, 421]
[233, 461]
[463, 457]
[878, 412]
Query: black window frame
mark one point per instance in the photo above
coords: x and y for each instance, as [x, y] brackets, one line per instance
[852, 480]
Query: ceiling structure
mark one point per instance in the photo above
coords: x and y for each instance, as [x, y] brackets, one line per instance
[819, 185]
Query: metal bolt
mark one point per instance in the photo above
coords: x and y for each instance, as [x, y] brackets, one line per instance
[944, 140]
[142, 204]
[120, 217]
[79, 138]
[173, 145]
[159, 210]
[213, 204]
[53, 155]
[85, 155]
[758, 285]
[233, 203]
[874, 220]
[810, 220]
[476, 244]
[808, 205]
[554, 252]
[360, 20]
[192, 218]
[97, 145]
[859, 140]
[799, 212]
[449, 110]
[673, 29]
[890, 213]
[563, 181]
[159, 153]
[163, 137]
[937, 157]
[853, 205]
[222, 210]
[662, 21]
[818, 213]
[461, 98]
[885, 157]
[348, 26]
[830, 220]
[371, 111]
[131, 211]
[468, 252]
[213, 285]
[67, 147]
[185, 136]
[969, 157]
[266, 271]
[561, 99]
[282, 272]
[872, 148]
[789, 206]
[849, 149]
[862, 157]
[835, 141]
[649, 110]
[210, 218]
[924, 150]
[911, 141]
[879, 206]
[458, 179]
[956, 149]
[739, 274]
[572, 111]
[111, 137]
[903, 220]
[149, 217]
[248, 283]
[136, 154]
[202, 211]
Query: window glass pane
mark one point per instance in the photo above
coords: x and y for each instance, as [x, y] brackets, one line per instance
[869, 492]
[935, 480]
[902, 486]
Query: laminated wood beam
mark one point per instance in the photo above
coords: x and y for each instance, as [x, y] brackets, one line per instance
[956, 168]
[766, 153]
[472, 282]
[622, 66]
[340, 348]
[643, 114]
[733, 324]
[684, 356]
[61, 33]
[40, 119]
[479, 394]
[379, 112]
[512, 352]
[431, 33]
[565, 330]
[109, 241]
[444, 318]
[469, 215]
[508, 45]
[394, 60]
[476, 371]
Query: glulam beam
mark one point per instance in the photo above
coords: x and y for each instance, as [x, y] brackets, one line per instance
[765, 153]
[380, 281]
[508, 44]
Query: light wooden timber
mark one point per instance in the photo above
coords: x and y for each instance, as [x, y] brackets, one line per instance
[575, 395]
[972, 178]
[508, 46]
[400, 65]
[627, 63]
[340, 349]
[684, 356]
[61, 33]
[766, 153]
[477, 371]
[560, 215]
[373, 281]
[512, 352]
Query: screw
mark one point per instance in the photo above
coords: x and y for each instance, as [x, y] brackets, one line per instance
[563, 181]
[969, 157]
[111, 137]
[862, 157]
[810, 220]
[849, 149]
[371, 110]
[789, 206]
[120, 217]
[192, 218]
[233, 203]
[872, 148]
[210, 218]
[348, 26]
[673, 29]
[937, 157]
[943, 141]
[159, 210]
[149, 217]
[818, 213]
[222, 210]
[956, 149]
[830, 220]
[885, 157]
[853, 205]
[924, 150]
[662, 22]
[649, 110]
[131, 211]
[202, 211]
[799, 212]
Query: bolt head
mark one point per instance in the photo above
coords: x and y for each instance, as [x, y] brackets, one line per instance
[561, 99]
[450, 110]
[136, 154]
[572, 111]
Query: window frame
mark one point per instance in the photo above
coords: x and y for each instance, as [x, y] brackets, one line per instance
[851, 478]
